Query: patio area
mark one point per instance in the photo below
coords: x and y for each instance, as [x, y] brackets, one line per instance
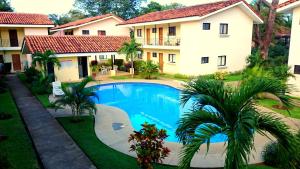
[107, 76]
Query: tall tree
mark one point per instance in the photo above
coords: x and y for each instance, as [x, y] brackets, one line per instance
[264, 34]
[123, 8]
[173, 5]
[235, 116]
[5, 6]
[154, 6]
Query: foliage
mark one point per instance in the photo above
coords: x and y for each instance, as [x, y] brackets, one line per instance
[130, 49]
[31, 73]
[220, 75]
[5, 6]
[78, 98]
[119, 62]
[148, 69]
[94, 66]
[72, 15]
[148, 145]
[235, 116]
[137, 66]
[125, 8]
[278, 49]
[44, 58]
[282, 72]
[155, 6]
[42, 84]
[254, 59]
[274, 156]
[255, 72]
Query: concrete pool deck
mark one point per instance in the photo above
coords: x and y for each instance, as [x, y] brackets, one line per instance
[113, 127]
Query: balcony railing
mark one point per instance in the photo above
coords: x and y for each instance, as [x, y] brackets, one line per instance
[10, 43]
[166, 41]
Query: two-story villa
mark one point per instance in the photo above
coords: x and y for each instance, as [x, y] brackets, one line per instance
[13, 28]
[103, 25]
[293, 7]
[199, 39]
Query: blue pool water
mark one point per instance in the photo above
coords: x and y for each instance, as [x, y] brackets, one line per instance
[146, 102]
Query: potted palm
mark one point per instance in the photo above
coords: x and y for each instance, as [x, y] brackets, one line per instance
[78, 98]
[94, 68]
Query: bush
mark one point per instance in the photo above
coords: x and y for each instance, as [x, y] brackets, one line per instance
[31, 73]
[255, 59]
[41, 84]
[148, 145]
[281, 72]
[274, 155]
[220, 75]
[119, 62]
[148, 69]
[137, 65]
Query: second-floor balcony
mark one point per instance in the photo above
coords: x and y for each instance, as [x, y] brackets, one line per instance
[10, 44]
[165, 42]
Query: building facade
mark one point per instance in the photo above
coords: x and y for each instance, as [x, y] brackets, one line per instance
[103, 25]
[293, 7]
[197, 40]
[13, 28]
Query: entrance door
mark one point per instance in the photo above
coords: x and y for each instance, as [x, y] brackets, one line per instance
[148, 36]
[50, 69]
[148, 56]
[16, 62]
[82, 67]
[161, 62]
[160, 36]
[13, 38]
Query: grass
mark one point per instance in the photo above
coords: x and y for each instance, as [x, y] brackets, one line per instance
[180, 77]
[18, 147]
[103, 156]
[294, 111]
[233, 77]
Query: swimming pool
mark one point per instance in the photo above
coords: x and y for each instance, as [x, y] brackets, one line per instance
[148, 102]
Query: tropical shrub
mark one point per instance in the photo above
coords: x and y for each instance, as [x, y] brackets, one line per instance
[220, 75]
[148, 145]
[235, 116]
[78, 98]
[255, 59]
[44, 58]
[148, 69]
[282, 72]
[42, 84]
[137, 66]
[31, 73]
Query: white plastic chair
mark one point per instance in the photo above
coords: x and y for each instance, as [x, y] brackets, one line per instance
[57, 91]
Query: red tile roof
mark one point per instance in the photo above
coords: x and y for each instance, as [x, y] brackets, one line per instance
[74, 44]
[286, 3]
[86, 20]
[197, 10]
[24, 19]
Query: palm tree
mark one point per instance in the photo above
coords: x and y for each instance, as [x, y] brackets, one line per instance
[130, 49]
[78, 98]
[235, 116]
[44, 58]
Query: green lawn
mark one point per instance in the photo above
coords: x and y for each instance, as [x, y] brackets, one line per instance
[103, 156]
[233, 77]
[18, 146]
[294, 111]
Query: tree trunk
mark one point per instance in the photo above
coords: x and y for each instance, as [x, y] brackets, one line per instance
[131, 57]
[269, 30]
[45, 68]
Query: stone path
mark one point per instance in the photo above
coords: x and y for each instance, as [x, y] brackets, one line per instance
[54, 146]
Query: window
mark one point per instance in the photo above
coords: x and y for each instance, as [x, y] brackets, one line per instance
[101, 33]
[206, 26]
[85, 32]
[222, 60]
[103, 57]
[154, 30]
[172, 58]
[223, 28]
[172, 31]
[69, 33]
[154, 55]
[139, 32]
[204, 60]
[140, 55]
[297, 69]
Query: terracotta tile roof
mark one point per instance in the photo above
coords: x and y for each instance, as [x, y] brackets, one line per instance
[24, 19]
[74, 44]
[86, 20]
[197, 10]
[286, 3]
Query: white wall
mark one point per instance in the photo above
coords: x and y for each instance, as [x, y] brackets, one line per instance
[109, 25]
[294, 55]
[197, 43]
[36, 31]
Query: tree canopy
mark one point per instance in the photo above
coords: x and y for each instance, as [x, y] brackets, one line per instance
[155, 6]
[5, 6]
[72, 15]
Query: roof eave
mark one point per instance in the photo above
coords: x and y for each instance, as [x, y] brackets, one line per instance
[288, 8]
[27, 25]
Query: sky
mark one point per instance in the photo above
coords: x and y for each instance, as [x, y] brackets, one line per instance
[63, 6]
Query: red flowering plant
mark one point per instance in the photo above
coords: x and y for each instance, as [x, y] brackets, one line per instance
[148, 145]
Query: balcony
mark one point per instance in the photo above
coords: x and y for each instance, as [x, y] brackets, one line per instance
[8, 44]
[170, 42]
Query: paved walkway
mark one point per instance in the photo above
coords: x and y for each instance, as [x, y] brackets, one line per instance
[54, 146]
